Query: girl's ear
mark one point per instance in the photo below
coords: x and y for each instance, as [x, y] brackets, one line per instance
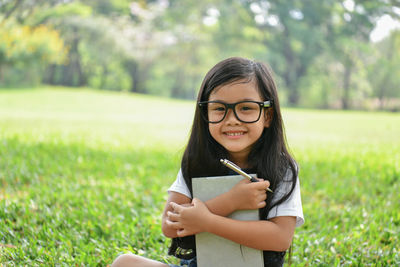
[268, 116]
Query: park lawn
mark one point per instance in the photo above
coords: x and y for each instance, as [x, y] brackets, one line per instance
[84, 174]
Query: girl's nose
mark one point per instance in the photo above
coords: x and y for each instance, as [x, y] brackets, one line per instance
[231, 117]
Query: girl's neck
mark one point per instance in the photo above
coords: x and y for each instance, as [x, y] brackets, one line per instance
[240, 161]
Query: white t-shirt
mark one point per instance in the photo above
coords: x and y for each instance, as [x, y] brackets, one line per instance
[291, 207]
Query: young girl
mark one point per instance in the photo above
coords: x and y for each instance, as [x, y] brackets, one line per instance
[237, 117]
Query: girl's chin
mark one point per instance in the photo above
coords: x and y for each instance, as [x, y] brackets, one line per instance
[234, 150]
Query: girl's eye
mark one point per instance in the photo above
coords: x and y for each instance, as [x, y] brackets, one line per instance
[217, 108]
[246, 108]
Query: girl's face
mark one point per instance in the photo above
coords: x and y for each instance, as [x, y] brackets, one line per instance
[235, 136]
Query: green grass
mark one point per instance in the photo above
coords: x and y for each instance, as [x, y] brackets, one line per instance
[84, 174]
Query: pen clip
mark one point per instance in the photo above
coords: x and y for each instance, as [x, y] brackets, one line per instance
[235, 168]
[230, 162]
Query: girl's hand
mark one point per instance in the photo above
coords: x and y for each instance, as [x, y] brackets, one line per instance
[189, 220]
[248, 195]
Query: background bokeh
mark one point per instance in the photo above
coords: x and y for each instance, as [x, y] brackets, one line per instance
[326, 54]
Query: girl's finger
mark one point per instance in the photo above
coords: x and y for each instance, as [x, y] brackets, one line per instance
[196, 202]
[244, 181]
[262, 204]
[262, 185]
[172, 216]
[181, 232]
[262, 195]
[173, 225]
[176, 207]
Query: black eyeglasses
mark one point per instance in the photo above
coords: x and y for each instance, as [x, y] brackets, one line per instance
[245, 111]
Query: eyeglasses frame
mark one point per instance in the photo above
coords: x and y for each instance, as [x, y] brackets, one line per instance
[263, 104]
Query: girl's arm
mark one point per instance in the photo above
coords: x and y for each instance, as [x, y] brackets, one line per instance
[219, 205]
[275, 234]
[175, 198]
[244, 195]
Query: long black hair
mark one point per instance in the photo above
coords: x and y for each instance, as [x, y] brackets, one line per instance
[269, 156]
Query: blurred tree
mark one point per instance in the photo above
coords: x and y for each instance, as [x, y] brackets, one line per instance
[294, 34]
[67, 19]
[22, 48]
[114, 8]
[236, 33]
[348, 33]
[144, 41]
[22, 10]
[203, 33]
[319, 50]
[97, 44]
[384, 71]
[188, 45]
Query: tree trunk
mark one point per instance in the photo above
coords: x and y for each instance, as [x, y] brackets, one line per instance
[103, 84]
[290, 76]
[177, 89]
[9, 12]
[381, 103]
[73, 74]
[76, 61]
[134, 72]
[138, 76]
[346, 84]
[1, 73]
[49, 74]
[132, 68]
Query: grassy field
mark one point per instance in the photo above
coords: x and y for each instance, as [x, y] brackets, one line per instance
[84, 174]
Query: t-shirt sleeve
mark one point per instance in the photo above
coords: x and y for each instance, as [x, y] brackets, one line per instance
[290, 207]
[180, 186]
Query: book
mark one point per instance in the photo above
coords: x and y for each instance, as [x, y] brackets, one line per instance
[213, 250]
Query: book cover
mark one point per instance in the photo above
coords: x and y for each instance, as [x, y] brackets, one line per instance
[216, 251]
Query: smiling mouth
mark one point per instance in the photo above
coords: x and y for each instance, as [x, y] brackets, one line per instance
[234, 133]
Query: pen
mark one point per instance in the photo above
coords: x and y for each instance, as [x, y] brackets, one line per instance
[238, 170]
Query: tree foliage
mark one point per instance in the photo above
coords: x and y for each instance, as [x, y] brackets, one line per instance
[28, 49]
[320, 50]
[384, 71]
